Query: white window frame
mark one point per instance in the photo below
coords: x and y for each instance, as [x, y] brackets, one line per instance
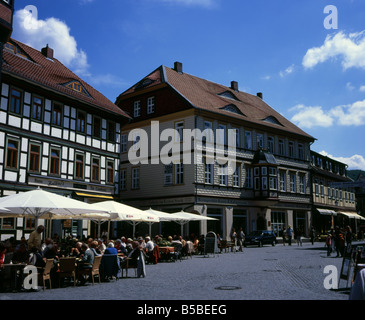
[137, 108]
[248, 140]
[237, 176]
[179, 173]
[151, 105]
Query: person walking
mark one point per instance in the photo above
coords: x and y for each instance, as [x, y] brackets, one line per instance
[312, 235]
[284, 236]
[329, 244]
[289, 233]
[299, 237]
[234, 239]
[240, 239]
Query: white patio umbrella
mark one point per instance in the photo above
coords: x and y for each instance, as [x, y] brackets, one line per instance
[163, 216]
[185, 217]
[122, 212]
[42, 204]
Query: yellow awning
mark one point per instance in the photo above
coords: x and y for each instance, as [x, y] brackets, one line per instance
[352, 215]
[90, 195]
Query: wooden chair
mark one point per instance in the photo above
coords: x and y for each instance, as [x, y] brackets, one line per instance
[46, 275]
[67, 268]
[223, 245]
[94, 270]
[129, 264]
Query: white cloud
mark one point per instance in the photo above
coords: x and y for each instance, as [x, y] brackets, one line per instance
[354, 162]
[362, 88]
[349, 86]
[311, 116]
[287, 71]
[350, 49]
[350, 115]
[54, 32]
[345, 115]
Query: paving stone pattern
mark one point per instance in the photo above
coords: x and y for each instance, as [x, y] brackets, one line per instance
[267, 273]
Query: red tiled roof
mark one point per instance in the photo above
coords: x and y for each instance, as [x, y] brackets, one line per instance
[53, 74]
[206, 95]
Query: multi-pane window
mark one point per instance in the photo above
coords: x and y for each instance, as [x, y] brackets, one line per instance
[150, 105]
[179, 131]
[37, 108]
[79, 168]
[248, 140]
[223, 178]
[301, 152]
[123, 142]
[281, 147]
[302, 185]
[179, 173]
[282, 181]
[54, 168]
[135, 178]
[137, 109]
[111, 131]
[110, 172]
[81, 121]
[208, 128]
[34, 157]
[237, 176]
[293, 180]
[168, 174]
[249, 178]
[95, 170]
[270, 144]
[291, 149]
[260, 141]
[236, 135]
[15, 101]
[12, 154]
[209, 173]
[57, 114]
[221, 135]
[123, 179]
[97, 128]
[273, 179]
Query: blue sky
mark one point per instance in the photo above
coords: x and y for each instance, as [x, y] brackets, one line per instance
[313, 74]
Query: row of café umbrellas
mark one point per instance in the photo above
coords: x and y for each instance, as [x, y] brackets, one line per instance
[40, 204]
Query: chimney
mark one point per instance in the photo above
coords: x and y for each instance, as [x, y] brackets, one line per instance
[234, 85]
[259, 94]
[47, 52]
[178, 67]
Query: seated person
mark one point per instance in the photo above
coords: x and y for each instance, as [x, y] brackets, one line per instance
[76, 251]
[21, 254]
[87, 260]
[35, 258]
[111, 249]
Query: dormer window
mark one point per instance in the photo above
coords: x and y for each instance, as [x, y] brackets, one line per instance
[77, 86]
[232, 108]
[273, 120]
[14, 49]
[229, 95]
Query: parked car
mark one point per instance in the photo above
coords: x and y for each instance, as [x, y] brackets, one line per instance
[260, 237]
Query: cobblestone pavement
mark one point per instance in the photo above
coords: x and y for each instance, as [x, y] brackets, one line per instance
[267, 273]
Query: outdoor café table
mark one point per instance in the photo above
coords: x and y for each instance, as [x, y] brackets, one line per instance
[16, 275]
[165, 252]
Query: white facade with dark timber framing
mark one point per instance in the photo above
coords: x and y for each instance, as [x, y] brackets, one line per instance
[56, 132]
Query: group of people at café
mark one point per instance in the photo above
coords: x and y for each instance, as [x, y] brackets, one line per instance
[36, 251]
